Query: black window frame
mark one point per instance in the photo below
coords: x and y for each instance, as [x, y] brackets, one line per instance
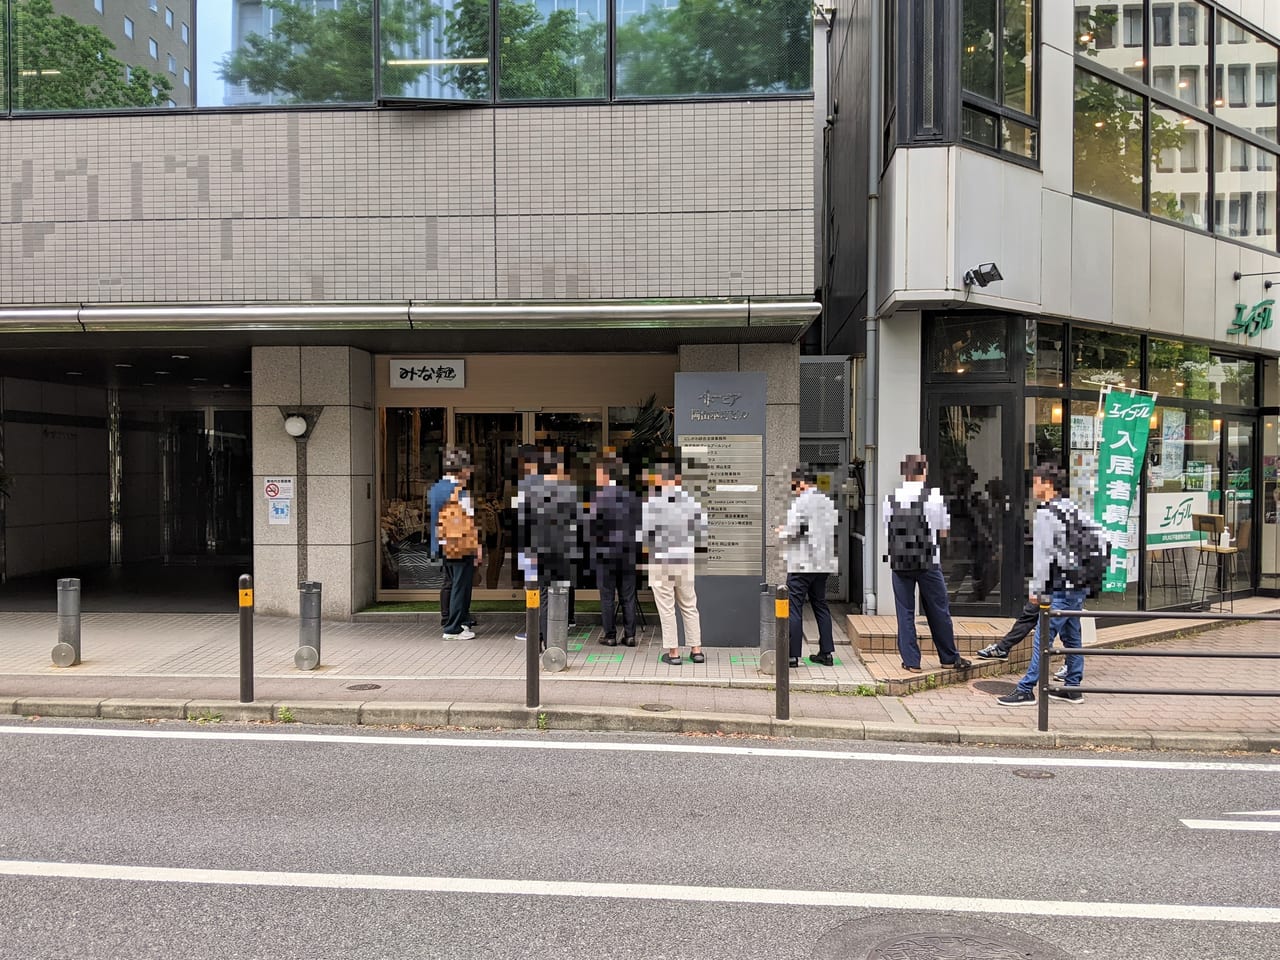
[997, 110]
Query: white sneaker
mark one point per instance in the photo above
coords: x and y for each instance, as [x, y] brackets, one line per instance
[466, 634]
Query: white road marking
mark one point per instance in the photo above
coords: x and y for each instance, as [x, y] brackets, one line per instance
[1255, 813]
[640, 891]
[1259, 826]
[614, 747]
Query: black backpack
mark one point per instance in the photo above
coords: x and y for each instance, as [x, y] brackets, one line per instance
[1087, 541]
[910, 541]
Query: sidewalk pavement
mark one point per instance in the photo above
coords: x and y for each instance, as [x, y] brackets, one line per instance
[171, 666]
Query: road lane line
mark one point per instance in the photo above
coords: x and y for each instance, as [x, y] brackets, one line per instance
[640, 891]
[1257, 826]
[775, 753]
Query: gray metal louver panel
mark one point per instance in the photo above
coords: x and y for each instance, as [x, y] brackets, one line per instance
[822, 452]
[824, 396]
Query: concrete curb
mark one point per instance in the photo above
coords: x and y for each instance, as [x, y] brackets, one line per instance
[621, 719]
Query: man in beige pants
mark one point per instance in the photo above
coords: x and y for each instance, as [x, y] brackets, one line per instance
[672, 528]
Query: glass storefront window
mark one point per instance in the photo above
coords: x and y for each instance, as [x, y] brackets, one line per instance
[997, 66]
[1232, 380]
[1179, 370]
[412, 446]
[1109, 132]
[667, 48]
[1269, 506]
[439, 49]
[493, 441]
[1103, 356]
[978, 49]
[1045, 353]
[964, 345]
[1179, 173]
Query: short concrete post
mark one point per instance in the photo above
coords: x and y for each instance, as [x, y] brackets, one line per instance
[66, 652]
[768, 656]
[555, 656]
[308, 655]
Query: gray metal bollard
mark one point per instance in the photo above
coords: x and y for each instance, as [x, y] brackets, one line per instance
[66, 652]
[768, 655]
[782, 646]
[246, 638]
[556, 655]
[308, 655]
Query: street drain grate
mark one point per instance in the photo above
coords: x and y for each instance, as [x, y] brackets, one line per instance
[942, 946]
[365, 686]
[656, 707]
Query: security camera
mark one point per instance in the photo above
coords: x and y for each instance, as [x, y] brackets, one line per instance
[982, 274]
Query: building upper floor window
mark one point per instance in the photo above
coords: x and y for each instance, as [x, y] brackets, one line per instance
[998, 76]
[322, 51]
[97, 6]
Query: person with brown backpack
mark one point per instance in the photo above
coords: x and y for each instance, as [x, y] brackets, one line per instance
[454, 524]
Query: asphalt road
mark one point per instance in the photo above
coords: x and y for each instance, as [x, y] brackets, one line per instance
[231, 841]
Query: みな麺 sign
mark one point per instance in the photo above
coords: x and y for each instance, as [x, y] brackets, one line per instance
[429, 372]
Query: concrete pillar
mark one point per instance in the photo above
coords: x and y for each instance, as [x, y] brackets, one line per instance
[335, 541]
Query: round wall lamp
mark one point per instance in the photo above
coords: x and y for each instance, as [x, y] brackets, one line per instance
[295, 425]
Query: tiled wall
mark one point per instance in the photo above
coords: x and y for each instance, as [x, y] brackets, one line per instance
[707, 199]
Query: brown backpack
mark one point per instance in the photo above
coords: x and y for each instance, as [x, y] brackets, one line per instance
[456, 530]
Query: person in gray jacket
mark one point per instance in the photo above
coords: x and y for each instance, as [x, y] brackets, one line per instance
[673, 527]
[810, 538]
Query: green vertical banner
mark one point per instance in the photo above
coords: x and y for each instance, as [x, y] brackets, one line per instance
[1122, 450]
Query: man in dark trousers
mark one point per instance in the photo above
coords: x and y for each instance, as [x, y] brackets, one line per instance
[454, 535]
[1025, 623]
[612, 523]
[810, 538]
[914, 518]
[550, 520]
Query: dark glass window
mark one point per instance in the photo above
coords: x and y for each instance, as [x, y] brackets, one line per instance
[1045, 353]
[998, 76]
[968, 345]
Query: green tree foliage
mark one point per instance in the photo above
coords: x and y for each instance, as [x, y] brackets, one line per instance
[556, 58]
[326, 56]
[62, 64]
[717, 47]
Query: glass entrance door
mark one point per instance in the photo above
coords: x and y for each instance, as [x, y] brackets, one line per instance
[207, 474]
[971, 450]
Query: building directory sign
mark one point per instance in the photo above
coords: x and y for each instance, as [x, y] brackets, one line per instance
[720, 427]
[1122, 450]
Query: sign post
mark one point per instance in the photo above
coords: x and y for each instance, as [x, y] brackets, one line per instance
[1122, 451]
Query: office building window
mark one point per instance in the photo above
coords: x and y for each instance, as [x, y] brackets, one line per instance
[186, 34]
[173, 65]
[1109, 133]
[186, 77]
[1265, 85]
[1266, 213]
[1237, 188]
[97, 6]
[1176, 171]
[1266, 160]
[1162, 25]
[1189, 85]
[153, 48]
[128, 28]
[1133, 24]
[1238, 85]
[998, 76]
[1190, 18]
[153, 6]
[1162, 78]
[1189, 154]
[168, 17]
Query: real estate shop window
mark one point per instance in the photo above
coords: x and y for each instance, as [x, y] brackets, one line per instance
[998, 76]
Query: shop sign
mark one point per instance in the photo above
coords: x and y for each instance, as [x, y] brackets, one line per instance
[1252, 323]
[1122, 450]
[1169, 519]
[429, 372]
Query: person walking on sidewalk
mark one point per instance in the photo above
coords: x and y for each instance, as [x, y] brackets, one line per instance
[612, 523]
[1025, 623]
[810, 538]
[914, 519]
[550, 517]
[453, 529]
[673, 527]
[1064, 544]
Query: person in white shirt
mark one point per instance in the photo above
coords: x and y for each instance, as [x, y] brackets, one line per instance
[914, 518]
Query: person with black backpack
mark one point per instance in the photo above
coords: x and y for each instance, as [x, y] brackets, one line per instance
[914, 518]
[1068, 560]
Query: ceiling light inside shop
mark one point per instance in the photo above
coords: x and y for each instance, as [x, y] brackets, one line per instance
[180, 356]
[125, 366]
[162, 373]
[1100, 124]
[1086, 38]
[74, 373]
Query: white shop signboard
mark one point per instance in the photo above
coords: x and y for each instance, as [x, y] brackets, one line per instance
[1169, 518]
[429, 373]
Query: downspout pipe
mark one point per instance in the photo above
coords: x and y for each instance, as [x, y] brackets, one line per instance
[871, 374]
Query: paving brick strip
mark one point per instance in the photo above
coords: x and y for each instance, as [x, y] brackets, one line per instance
[183, 669]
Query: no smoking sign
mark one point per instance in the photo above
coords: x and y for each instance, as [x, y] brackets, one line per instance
[278, 488]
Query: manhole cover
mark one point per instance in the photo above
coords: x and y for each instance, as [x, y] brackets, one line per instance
[365, 686]
[997, 688]
[1034, 774]
[656, 707]
[942, 946]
